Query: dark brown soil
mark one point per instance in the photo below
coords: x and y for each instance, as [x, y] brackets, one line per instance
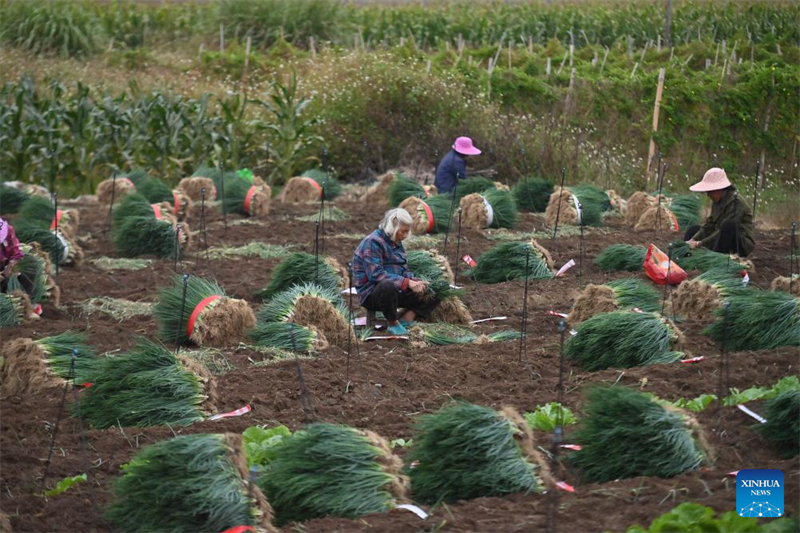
[389, 384]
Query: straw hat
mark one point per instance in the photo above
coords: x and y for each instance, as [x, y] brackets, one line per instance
[713, 180]
[463, 145]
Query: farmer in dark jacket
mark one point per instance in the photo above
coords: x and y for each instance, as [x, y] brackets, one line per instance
[729, 229]
[382, 277]
[453, 166]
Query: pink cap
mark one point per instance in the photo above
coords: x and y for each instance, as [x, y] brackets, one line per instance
[3, 230]
[463, 145]
[714, 180]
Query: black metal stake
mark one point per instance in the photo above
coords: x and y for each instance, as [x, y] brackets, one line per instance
[307, 409]
[177, 245]
[458, 249]
[558, 212]
[107, 225]
[55, 433]
[321, 219]
[450, 216]
[523, 328]
[794, 260]
[222, 191]
[87, 463]
[55, 231]
[203, 221]
[179, 333]
[558, 431]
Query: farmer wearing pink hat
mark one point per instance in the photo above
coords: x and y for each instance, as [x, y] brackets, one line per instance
[453, 166]
[10, 251]
[729, 229]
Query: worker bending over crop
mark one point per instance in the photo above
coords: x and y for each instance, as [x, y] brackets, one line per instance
[453, 166]
[729, 229]
[382, 277]
[10, 252]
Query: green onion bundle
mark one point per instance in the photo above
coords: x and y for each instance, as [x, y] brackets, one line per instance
[147, 386]
[32, 269]
[221, 320]
[331, 186]
[402, 188]
[240, 199]
[615, 295]
[501, 211]
[187, 484]
[782, 428]
[475, 184]
[310, 305]
[625, 433]
[132, 205]
[147, 235]
[469, 451]
[705, 259]
[623, 339]
[300, 268]
[154, 189]
[58, 354]
[11, 199]
[281, 306]
[332, 470]
[532, 194]
[12, 309]
[699, 297]
[287, 336]
[38, 209]
[433, 268]
[621, 257]
[590, 195]
[686, 209]
[29, 232]
[441, 334]
[441, 207]
[506, 261]
[757, 320]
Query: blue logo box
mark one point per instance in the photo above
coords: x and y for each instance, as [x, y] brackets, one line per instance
[759, 493]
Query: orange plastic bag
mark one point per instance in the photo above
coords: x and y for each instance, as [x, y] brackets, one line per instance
[661, 269]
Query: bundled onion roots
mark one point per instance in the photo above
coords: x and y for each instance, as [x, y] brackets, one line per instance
[491, 208]
[615, 295]
[698, 298]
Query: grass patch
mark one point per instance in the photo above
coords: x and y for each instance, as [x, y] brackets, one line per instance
[423, 242]
[252, 249]
[116, 308]
[246, 222]
[273, 355]
[331, 213]
[351, 236]
[211, 358]
[121, 263]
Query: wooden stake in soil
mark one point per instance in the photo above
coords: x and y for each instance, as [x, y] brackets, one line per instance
[656, 109]
[558, 212]
[523, 328]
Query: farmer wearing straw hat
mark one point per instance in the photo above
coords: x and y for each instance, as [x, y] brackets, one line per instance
[729, 229]
[382, 277]
[453, 166]
[10, 251]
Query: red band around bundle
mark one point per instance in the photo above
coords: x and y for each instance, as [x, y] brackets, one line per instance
[316, 185]
[197, 310]
[177, 204]
[249, 197]
[129, 182]
[239, 529]
[56, 221]
[675, 220]
[429, 213]
[156, 211]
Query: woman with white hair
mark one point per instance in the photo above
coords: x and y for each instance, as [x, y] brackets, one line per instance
[382, 277]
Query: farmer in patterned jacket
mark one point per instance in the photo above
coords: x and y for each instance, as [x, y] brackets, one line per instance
[382, 277]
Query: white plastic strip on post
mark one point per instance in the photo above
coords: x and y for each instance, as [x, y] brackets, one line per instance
[578, 209]
[489, 212]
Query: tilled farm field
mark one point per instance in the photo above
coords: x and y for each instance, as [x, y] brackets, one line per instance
[390, 383]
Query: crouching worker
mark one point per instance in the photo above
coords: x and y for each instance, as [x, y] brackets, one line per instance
[382, 277]
[729, 229]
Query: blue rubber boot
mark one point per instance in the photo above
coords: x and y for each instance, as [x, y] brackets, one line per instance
[397, 329]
